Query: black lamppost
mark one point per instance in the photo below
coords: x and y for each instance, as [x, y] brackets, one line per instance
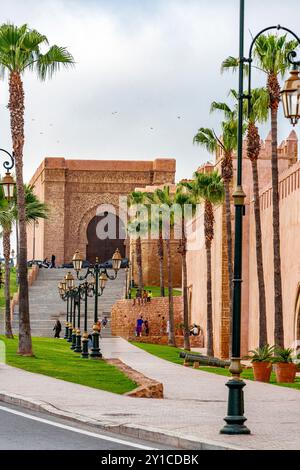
[99, 276]
[235, 418]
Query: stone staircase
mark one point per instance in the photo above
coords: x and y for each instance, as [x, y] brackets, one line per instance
[46, 306]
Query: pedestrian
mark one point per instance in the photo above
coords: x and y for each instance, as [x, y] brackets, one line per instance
[57, 329]
[53, 261]
[104, 321]
[150, 295]
[146, 327]
[139, 326]
[144, 297]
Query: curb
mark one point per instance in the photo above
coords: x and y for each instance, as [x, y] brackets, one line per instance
[154, 435]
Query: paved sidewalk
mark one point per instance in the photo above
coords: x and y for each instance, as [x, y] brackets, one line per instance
[194, 406]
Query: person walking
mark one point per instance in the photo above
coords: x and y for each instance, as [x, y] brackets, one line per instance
[53, 261]
[57, 329]
[139, 326]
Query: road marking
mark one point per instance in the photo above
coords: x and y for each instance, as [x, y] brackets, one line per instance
[79, 431]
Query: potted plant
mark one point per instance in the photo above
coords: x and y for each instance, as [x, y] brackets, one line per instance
[261, 359]
[285, 368]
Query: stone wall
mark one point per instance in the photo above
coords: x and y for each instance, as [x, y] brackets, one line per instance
[196, 258]
[124, 316]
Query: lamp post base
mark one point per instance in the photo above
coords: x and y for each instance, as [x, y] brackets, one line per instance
[235, 418]
[85, 346]
[69, 339]
[66, 333]
[95, 351]
[78, 348]
[73, 345]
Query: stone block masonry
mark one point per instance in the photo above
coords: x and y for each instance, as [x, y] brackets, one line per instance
[124, 316]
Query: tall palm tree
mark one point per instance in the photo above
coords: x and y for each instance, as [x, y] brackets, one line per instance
[34, 209]
[228, 143]
[270, 54]
[20, 51]
[258, 113]
[210, 189]
[6, 219]
[157, 222]
[137, 198]
[164, 197]
[183, 199]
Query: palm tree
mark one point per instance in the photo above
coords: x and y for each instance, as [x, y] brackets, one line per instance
[210, 189]
[183, 199]
[271, 52]
[164, 197]
[228, 143]
[20, 51]
[137, 198]
[258, 113]
[34, 209]
[156, 223]
[6, 218]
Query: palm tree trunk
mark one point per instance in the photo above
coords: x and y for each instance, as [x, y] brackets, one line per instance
[139, 264]
[160, 252]
[210, 334]
[16, 107]
[229, 251]
[6, 254]
[171, 340]
[263, 337]
[278, 329]
[185, 289]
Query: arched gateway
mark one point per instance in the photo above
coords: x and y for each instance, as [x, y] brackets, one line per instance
[73, 191]
[101, 243]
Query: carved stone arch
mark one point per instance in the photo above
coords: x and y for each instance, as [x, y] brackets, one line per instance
[103, 199]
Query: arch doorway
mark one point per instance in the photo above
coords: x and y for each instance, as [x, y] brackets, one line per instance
[104, 246]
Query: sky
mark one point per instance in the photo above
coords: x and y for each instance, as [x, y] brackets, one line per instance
[146, 72]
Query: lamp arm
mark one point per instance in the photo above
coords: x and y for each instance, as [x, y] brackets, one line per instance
[84, 277]
[290, 57]
[8, 165]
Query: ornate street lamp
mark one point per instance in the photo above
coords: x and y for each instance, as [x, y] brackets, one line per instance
[97, 285]
[116, 260]
[70, 280]
[77, 261]
[290, 95]
[235, 418]
[8, 184]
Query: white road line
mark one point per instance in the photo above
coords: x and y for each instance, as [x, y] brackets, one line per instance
[79, 431]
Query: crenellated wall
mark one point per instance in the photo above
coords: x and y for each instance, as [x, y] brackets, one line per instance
[290, 213]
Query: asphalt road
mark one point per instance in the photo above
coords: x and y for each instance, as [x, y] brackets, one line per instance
[22, 429]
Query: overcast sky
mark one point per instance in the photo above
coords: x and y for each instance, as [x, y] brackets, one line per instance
[151, 61]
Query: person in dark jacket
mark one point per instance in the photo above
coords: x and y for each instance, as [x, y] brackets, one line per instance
[53, 261]
[57, 329]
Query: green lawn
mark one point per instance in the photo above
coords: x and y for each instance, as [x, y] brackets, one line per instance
[172, 354]
[13, 287]
[53, 357]
[156, 291]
